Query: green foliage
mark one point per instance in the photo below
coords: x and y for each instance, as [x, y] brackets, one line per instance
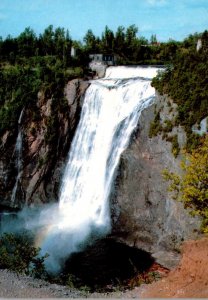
[18, 254]
[193, 141]
[174, 185]
[38, 63]
[76, 72]
[129, 47]
[20, 86]
[53, 42]
[195, 183]
[168, 126]
[185, 82]
[155, 126]
[175, 146]
[18, 89]
[192, 187]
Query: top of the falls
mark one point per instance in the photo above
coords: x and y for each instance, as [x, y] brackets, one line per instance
[124, 72]
[124, 75]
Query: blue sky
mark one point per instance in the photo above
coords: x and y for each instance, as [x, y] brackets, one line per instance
[174, 19]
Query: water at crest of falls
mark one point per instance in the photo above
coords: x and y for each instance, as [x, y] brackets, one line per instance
[110, 113]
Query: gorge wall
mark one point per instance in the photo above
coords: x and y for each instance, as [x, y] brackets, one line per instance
[143, 214]
[47, 132]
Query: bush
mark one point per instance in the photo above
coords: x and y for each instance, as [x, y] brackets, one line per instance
[18, 254]
[175, 146]
[168, 126]
[192, 187]
[155, 126]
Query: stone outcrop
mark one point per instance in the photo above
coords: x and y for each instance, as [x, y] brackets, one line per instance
[143, 212]
[47, 131]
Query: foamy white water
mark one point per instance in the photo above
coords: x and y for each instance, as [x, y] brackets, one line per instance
[110, 113]
[131, 72]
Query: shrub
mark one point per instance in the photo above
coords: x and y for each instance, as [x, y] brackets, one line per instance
[168, 126]
[18, 254]
[175, 146]
[155, 126]
[192, 187]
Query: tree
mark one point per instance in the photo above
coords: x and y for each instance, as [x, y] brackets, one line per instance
[47, 41]
[195, 183]
[131, 41]
[120, 39]
[153, 39]
[27, 42]
[108, 40]
[131, 33]
[205, 40]
[192, 187]
[67, 49]
[91, 41]
[8, 46]
[59, 42]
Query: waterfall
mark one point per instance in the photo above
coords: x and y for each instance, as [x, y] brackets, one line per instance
[110, 113]
[18, 158]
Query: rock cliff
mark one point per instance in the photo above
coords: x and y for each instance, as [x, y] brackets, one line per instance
[143, 212]
[46, 133]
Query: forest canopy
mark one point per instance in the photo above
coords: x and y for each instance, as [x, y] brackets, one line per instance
[125, 43]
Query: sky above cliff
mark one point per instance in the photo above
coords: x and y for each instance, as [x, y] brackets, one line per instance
[174, 19]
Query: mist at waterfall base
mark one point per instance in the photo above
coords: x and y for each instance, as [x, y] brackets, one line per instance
[110, 114]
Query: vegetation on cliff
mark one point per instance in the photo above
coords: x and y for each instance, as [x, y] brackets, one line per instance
[192, 186]
[185, 81]
[29, 64]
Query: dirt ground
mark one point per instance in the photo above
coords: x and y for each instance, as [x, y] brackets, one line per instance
[189, 279]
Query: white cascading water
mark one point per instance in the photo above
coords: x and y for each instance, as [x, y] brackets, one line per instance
[18, 160]
[110, 114]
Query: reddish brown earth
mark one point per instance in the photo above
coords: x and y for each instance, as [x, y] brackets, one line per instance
[189, 279]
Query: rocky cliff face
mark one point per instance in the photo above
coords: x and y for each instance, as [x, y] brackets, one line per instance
[30, 172]
[143, 212]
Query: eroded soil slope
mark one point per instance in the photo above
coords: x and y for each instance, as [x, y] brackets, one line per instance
[189, 279]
